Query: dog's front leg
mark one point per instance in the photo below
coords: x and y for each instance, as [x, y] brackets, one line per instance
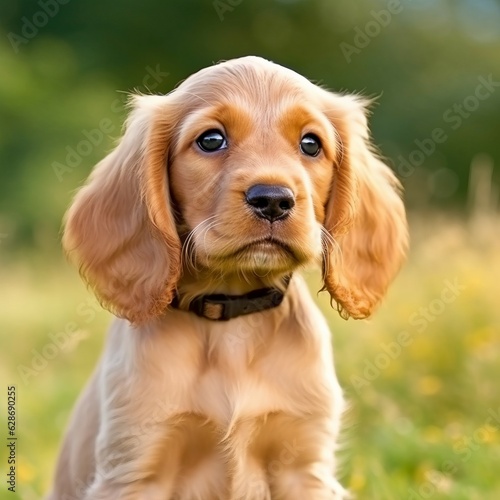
[137, 424]
[303, 466]
[129, 455]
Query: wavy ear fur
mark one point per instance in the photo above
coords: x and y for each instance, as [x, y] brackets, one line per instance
[120, 230]
[365, 215]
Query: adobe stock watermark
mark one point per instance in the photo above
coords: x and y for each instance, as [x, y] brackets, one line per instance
[364, 36]
[94, 137]
[419, 320]
[58, 342]
[32, 25]
[223, 6]
[463, 449]
[453, 118]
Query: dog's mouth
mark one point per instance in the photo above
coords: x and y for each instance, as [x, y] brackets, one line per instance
[265, 245]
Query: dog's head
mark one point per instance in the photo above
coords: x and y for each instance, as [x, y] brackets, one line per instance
[247, 169]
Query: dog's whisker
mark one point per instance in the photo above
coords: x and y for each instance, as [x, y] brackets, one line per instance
[330, 247]
[188, 251]
[210, 227]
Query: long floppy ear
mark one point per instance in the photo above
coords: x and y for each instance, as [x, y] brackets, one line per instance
[120, 230]
[364, 215]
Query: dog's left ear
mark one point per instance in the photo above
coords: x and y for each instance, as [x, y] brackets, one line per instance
[365, 215]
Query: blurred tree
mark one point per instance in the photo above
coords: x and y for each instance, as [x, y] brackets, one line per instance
[433, 65]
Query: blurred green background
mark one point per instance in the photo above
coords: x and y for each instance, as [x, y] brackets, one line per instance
[423, 375]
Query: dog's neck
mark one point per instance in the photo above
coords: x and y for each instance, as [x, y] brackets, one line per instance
[203, 283]
[193, 285]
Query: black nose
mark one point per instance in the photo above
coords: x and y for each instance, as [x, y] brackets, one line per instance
[270, 202]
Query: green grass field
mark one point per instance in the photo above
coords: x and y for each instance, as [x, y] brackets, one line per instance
[422, 377]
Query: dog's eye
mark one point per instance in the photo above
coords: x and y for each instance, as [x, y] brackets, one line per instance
[211, 140]
[310, 145]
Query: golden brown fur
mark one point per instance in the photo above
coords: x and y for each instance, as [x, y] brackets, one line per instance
[184, 408]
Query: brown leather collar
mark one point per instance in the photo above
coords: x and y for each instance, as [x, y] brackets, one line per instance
[222, 307]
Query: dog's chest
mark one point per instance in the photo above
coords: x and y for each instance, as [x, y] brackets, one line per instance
[231, 376]
[235, 381]
[227, 397]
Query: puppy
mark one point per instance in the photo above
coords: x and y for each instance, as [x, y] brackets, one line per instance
[217, 380]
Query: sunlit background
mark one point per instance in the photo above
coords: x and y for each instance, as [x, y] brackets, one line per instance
[423, 375]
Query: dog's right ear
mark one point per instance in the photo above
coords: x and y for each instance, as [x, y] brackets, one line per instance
[120, 229]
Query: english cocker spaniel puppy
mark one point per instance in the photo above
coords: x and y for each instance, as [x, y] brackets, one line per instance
[217, 380]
